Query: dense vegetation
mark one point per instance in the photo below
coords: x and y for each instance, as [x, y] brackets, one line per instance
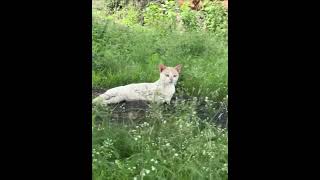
[177, 141]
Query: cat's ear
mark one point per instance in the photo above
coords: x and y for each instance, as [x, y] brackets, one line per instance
[178, 68]
[162, 67]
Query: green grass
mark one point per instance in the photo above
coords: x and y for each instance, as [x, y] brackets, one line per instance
[176, 141]
[174, 144]
[123, 55]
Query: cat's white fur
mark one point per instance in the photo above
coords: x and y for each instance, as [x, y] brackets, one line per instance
[160, 91]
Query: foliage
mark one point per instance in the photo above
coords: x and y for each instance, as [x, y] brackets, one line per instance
[160, 16]
[123, 55]
[216, 18]
[128, 15]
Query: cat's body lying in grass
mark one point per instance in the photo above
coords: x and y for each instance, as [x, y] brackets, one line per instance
[160, 91]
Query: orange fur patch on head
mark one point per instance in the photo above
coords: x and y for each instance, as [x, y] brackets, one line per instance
[178, 68]
[173, 70]
[162, 67]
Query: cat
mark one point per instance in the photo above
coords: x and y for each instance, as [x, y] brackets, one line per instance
[160, 91]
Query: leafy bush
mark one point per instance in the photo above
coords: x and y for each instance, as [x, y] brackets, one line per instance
[128, 15]
[216, 18]
[161, 16]
[190, 17]
[115, 5]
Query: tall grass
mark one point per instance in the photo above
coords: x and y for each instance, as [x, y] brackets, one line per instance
[175, 145]
[123, 55]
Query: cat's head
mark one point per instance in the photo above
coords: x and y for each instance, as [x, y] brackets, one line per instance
[169, 75]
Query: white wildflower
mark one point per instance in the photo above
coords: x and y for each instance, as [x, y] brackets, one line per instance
[153, 168]
[204, 152]
[176, 154]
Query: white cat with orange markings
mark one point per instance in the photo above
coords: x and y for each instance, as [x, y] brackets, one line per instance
[160, 91]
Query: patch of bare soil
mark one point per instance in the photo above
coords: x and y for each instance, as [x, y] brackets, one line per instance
[137, 110]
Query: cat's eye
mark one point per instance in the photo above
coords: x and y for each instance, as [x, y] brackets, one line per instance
[174, 75]
[167, 75]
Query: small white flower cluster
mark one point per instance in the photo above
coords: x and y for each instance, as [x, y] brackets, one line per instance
[212, 155]
[137, 137]
[154, 161]
[203, 152]
[107, 143]
[100, 128]
[144, 124]
[205, 168]
[144, 172]
[94, 154]
[153, 168]
[225, 167]
[131, 169]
